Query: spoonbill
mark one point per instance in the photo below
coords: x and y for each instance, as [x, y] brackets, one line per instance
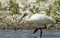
[40, 19]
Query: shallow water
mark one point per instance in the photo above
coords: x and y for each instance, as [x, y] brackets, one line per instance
[29, 34]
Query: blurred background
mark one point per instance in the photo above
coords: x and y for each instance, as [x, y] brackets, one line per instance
[12, 10]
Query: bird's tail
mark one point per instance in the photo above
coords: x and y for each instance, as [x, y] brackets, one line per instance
[36, 30]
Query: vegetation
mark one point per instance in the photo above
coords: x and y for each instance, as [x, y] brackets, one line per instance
[53, 9]
[14, 8]
[7, 19]
[38, 1]
[0, 5]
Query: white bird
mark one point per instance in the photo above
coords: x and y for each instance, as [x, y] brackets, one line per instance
[40, 19]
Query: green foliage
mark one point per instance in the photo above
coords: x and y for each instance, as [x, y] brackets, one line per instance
[11, 3]
[34, 9]
[0, 5]
[58, 2]
[48, 11]
[25, 7]
[38, 1]
[52, 9]
[14, 7]
[37, 10]
[31, 10]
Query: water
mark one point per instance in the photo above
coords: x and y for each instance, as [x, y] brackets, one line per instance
[29, 34]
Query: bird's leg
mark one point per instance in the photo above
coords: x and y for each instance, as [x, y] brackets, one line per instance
[40, 33]
[36, 30]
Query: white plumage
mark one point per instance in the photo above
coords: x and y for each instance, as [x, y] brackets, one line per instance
[41, 19]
